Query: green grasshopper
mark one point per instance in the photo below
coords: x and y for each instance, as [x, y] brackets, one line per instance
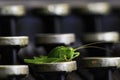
[64, 53]
[60, 54]
[69, 53]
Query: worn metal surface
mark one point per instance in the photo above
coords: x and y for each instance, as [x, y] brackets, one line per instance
[92, 62]
[55, 67]
[102, 36]
[13, 70]
[67, 38]
[12, 10]
[14, 41]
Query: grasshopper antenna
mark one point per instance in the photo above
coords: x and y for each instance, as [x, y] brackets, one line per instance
[88, 46]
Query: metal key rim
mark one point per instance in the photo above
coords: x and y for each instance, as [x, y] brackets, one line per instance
[102, 36]
[95, 8]
[53, 9]
[14, 41]
[13, 70]
[67, 38]
[12, 10]
[54, 67]
[101, 62]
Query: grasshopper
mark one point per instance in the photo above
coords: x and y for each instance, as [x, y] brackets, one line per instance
[60, 54]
